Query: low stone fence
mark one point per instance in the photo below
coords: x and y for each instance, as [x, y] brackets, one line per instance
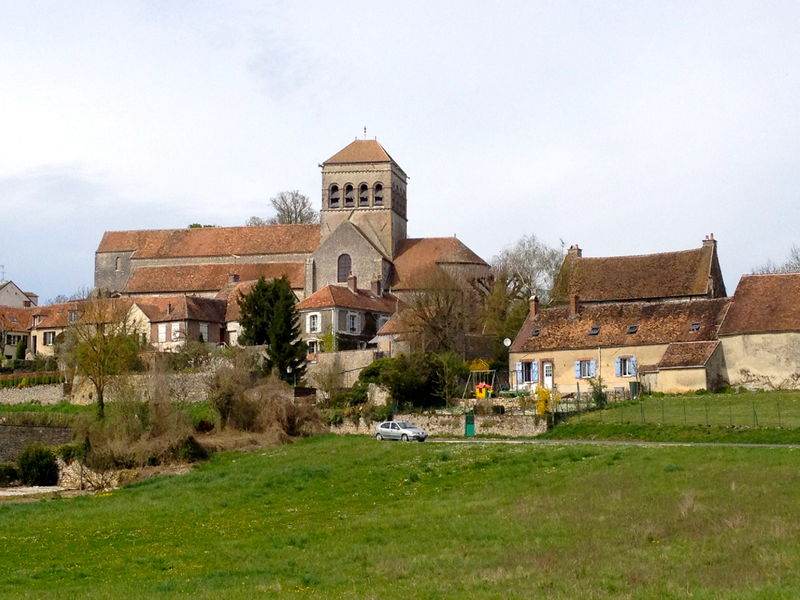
[15, 438]
[185, 387]
[455, 425]
[43, 394]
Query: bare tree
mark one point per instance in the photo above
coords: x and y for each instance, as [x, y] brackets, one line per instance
[105, 340]
[81, 293]
[529, 267]
[441, 312]
[790, 265]
[290, 207]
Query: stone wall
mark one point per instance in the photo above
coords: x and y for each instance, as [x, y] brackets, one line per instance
[454, 425]
[43, 394]
[185, 387]
[15, 438]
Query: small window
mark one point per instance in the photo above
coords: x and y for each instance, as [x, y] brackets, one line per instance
[694, 327]
[177, 334]
[349, 195]
[382, 321]
[162, 332]
[49, 338]
[353, 323]
[594, 330]
[633, 328]
[314, 325]
[313, 346]
[334, 196]
[378, 194]
[585, 368]
[363, 195]
[536, 332]
[343, 268]
[118, 264]
[73, 316]
[627, 367]
[203, 332]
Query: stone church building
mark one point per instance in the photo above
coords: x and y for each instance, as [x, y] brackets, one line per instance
[362, 234]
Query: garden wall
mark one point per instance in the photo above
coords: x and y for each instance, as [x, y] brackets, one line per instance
[43, 394]
[454, 425]
[15, 438]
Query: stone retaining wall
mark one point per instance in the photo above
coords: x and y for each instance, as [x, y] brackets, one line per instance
[43, 394]
[454, 425]
[15, 438]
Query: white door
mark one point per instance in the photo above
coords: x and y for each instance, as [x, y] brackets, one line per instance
[547, 375]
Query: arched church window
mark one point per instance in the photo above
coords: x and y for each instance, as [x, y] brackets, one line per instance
[349, 195]
[334, 196]
[118, 264]
[363, 195]
[343, 268]
[378, 194]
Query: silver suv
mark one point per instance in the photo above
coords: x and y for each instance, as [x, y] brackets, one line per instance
[399, 430]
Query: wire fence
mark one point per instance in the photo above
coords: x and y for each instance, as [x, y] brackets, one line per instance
[777, 409]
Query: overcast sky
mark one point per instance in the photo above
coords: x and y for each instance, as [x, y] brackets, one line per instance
[628, 128]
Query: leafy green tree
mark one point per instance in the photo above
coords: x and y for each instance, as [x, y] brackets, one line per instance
[269, 317]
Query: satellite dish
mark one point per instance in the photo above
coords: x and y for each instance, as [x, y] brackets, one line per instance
[506, 342]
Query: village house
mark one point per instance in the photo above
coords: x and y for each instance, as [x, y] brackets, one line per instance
[167, 323]
[11, 295]
[48, 322]
[14, 328]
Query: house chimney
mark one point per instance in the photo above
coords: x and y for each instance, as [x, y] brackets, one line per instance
[169, 308]
[233, 277]
[573, 305]
[575, 251]
[534, 300]
[709, 240]
[352, 283]
[377, 287]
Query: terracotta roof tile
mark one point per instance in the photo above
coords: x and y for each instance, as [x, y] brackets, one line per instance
[343, 297]
[764, 303]
[208, 277]
[658, 323]
[360, 151]
[685, 273]
[213, 241]
[395, 325]
[54, 315]
[416, 257]
[687, 354]
[15, 319]
[231, 294]
[180, 308]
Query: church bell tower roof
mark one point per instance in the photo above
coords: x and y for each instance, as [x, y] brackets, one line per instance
[360, 151]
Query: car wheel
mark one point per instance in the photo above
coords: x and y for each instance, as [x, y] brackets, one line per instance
[378, 437]
[421, 440]
[404, 438]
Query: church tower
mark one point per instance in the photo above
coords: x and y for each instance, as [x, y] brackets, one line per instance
[363, 185]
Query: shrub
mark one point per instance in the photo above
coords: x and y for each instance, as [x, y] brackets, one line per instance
[599, 396]
[8, 474]
[72, 452]
[37, 466]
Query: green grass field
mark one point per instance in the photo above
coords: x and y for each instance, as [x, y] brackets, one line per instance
[350, 517]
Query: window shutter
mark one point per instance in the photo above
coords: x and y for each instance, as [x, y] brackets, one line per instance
[618, 367]
[634, 370]
[592, 368]
[577, 369]
[518, 369]
[535, 371]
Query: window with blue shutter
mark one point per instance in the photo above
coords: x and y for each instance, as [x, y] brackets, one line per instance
[633, 366]
[535, 371]
[592, 368]
[577, 369]
[618, 367]
[518, 369]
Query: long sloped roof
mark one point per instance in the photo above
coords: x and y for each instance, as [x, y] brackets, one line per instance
[764, 303]
[343, 297]
[207, 277]
[686, 273]
[656, 323]
[680, 355]
[213, 241]
[178, 308]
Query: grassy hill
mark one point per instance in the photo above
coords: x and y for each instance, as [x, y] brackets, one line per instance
[351, 517]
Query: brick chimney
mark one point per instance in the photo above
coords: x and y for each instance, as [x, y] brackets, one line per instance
[534, 300]
[575, 251]
[573, 305]
[709, 240]
[352, 283]
[377, 287]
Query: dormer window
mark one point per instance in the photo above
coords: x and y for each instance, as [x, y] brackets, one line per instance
[594, 330]
[349, 195]
[632, 328]
[694, 327]
[378, 194]
[73, 316]
[536, 332]
[363, 195]
[334, 197]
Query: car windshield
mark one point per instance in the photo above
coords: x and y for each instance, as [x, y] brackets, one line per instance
[405, 425]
